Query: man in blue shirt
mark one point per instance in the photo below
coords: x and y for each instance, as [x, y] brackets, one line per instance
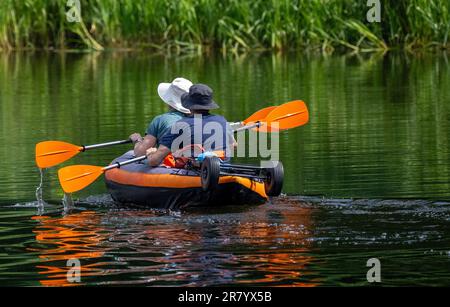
[171, 94]
[201, 128]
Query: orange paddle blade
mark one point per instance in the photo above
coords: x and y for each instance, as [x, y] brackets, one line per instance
[287, 116]
[259, 115]
[50, 153]
[76, 177]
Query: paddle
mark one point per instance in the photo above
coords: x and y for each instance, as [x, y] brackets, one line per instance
[76, 177]
[289, 115]
[286, 116]
[51, 153]
[259, 115]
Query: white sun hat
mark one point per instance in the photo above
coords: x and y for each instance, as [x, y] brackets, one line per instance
[171, 93]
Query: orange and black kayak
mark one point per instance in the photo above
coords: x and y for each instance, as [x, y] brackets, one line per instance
[173, 188]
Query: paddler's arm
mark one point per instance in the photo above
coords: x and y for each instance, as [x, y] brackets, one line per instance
[156, 156]
[141, 145]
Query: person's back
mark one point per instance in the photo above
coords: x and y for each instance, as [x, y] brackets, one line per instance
[162, 123]
[211, 132]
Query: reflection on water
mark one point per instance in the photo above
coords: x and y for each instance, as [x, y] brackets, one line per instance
[67, 237]
[294, 241]
[149, 247]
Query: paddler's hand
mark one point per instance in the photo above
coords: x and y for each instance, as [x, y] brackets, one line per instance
[156, 156]
[136, 137]
[150, 152]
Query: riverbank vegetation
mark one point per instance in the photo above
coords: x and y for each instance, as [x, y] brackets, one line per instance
[225, 25]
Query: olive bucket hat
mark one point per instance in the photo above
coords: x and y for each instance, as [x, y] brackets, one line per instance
[200, 97]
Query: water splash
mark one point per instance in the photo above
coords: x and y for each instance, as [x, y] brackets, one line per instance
[39, 198]
[67, 202]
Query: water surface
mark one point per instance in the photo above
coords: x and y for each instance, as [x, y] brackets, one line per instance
[368, 177]
[295, 241]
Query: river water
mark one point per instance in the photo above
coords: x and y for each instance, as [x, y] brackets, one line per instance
[368, 177]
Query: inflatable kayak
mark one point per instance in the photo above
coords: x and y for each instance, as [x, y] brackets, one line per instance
[173, 188]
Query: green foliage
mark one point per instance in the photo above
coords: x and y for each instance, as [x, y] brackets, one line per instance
[226, 25]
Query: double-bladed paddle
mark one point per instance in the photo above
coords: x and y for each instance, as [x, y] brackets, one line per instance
[286, 116]
[51, 153]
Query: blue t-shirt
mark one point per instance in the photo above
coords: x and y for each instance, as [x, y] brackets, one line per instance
[211, 131]
[161, 123]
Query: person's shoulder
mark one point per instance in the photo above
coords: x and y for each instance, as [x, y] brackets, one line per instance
[217, 117]
[168, 116]
[174, 115]
[162, 116]
[158, 118]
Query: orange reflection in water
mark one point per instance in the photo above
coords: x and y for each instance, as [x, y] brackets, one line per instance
[276, 248]
[73, 236]
[279, 265]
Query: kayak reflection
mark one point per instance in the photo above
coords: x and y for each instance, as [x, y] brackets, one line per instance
[262, 246]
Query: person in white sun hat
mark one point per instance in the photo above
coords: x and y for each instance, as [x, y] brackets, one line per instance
[171, 94]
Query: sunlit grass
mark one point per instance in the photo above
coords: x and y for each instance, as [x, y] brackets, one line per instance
[226, 25]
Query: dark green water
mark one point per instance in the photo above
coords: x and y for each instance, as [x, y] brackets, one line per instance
[379, 130]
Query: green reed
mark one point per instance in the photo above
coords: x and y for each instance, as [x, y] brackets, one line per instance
[225, 25]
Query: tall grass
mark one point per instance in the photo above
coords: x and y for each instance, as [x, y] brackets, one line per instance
[226, 25]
